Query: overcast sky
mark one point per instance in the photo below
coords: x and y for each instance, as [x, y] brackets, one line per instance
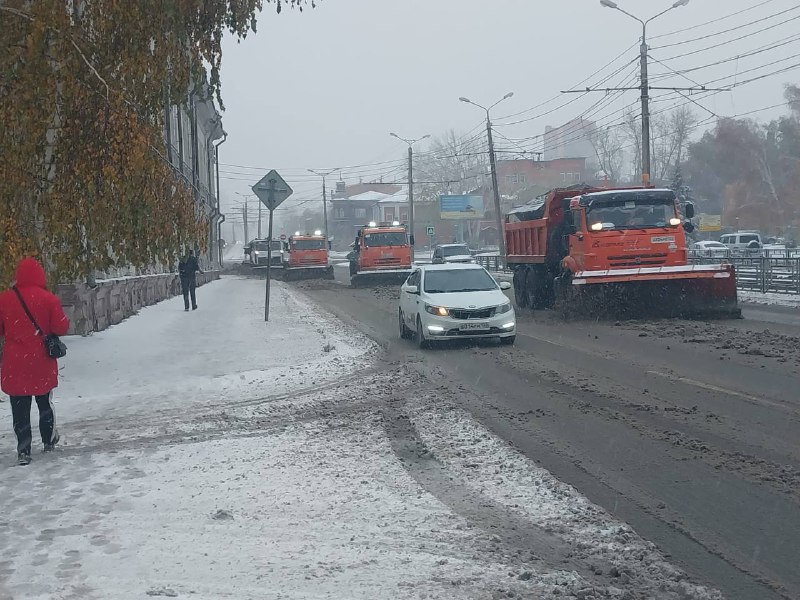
[323, 88]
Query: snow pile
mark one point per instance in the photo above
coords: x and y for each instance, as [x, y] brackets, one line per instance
[504, 475]
[770, 298]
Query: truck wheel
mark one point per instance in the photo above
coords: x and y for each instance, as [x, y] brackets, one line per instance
[353, 268]
[520, 296]
[564, 296]
[532, 286]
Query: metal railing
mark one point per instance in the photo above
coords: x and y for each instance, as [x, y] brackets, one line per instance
[765, 274]
[777, 272]
[490, 262]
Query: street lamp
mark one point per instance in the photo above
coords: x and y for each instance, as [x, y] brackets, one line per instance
[410, 183]
[324, 174]
[645, 85]
[493, 164]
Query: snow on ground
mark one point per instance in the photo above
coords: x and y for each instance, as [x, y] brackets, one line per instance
[209, 455]
[772, 299]
[165, 357]
[504, 475]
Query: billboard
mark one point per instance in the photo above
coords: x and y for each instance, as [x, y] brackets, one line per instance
[461, 207]
[710, 222]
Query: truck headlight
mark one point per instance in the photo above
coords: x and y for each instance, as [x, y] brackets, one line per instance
[504, 308]
[439, 311]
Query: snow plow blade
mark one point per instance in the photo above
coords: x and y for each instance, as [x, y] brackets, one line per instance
[691, 291]
[304, 273]
[383, 277]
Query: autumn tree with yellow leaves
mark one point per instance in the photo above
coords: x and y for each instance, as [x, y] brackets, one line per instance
[84, 180]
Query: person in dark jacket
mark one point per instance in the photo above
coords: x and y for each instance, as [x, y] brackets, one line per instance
[188, 267]
[26, 370]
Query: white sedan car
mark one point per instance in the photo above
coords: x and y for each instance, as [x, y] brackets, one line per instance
[711, 249]
[455, 301]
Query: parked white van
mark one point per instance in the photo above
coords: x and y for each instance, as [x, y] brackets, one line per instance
[743, 242]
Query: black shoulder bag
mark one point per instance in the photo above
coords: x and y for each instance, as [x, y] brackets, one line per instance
[53, 345]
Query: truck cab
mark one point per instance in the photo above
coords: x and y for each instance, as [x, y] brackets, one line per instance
[308, 253]
[381, 248]
[618, 229]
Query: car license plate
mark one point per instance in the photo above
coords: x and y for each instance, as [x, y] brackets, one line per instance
[474, 326]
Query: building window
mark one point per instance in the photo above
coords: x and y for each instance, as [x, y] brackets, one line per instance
[564, 177]
[522, 179]
[339, 213]
[361, 213]
[404, 216]
[388, 214]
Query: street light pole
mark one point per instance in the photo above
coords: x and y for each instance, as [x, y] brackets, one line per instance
[324, 174]
[410, 184]
[645, 82]
[493, 164]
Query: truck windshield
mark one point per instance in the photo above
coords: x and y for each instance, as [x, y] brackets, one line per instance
[458, 280]
[308, 244]
[389, 238]
[641, 214]
[455, 251]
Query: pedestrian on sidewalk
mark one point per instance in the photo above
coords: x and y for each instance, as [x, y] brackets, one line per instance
[26, 369]
[188, 267]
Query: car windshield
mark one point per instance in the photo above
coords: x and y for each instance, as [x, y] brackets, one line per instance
[308, 244]
[458, 280]
[455, 251]
[389, 238]
[636, 214]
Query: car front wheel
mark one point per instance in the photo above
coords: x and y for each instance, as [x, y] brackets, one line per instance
[421, 341]
[405, 332]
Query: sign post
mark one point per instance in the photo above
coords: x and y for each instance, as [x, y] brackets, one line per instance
[272, 190]
[431, 230]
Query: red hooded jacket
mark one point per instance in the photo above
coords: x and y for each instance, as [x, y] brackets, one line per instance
[26, 370]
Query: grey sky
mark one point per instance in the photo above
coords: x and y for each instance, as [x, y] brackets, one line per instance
[324, 88]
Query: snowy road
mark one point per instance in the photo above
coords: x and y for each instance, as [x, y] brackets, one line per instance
[687, 431]
[208, 455]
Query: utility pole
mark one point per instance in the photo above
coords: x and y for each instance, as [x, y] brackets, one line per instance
[411, 198]
[246, 229]
[645, 88]
[324, 174]
[498, 214]
[259, 220]
[644, 83]
[496, 190]
[410, 143]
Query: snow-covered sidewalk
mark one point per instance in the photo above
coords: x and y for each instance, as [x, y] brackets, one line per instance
[209, 455]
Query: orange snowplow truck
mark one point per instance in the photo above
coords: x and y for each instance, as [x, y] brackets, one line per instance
[613, 252]
[305, 256]
[381, 252]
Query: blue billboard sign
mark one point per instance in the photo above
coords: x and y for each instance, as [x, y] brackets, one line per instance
[461, 207]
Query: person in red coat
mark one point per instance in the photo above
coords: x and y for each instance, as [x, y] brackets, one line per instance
[26, 370]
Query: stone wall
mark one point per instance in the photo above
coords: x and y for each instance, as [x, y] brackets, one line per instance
[114, 300]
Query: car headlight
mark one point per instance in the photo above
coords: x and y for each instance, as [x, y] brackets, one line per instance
[439, 311]
[504, 308]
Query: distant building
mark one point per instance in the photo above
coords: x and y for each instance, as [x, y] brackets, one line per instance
[516, 176]
[355, 205]
[570, 139]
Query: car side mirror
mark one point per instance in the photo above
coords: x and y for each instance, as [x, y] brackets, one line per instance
[350, 255]
[504, 285]
[689, 210]
[688, 227]
[247, 249]
[411, 289]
